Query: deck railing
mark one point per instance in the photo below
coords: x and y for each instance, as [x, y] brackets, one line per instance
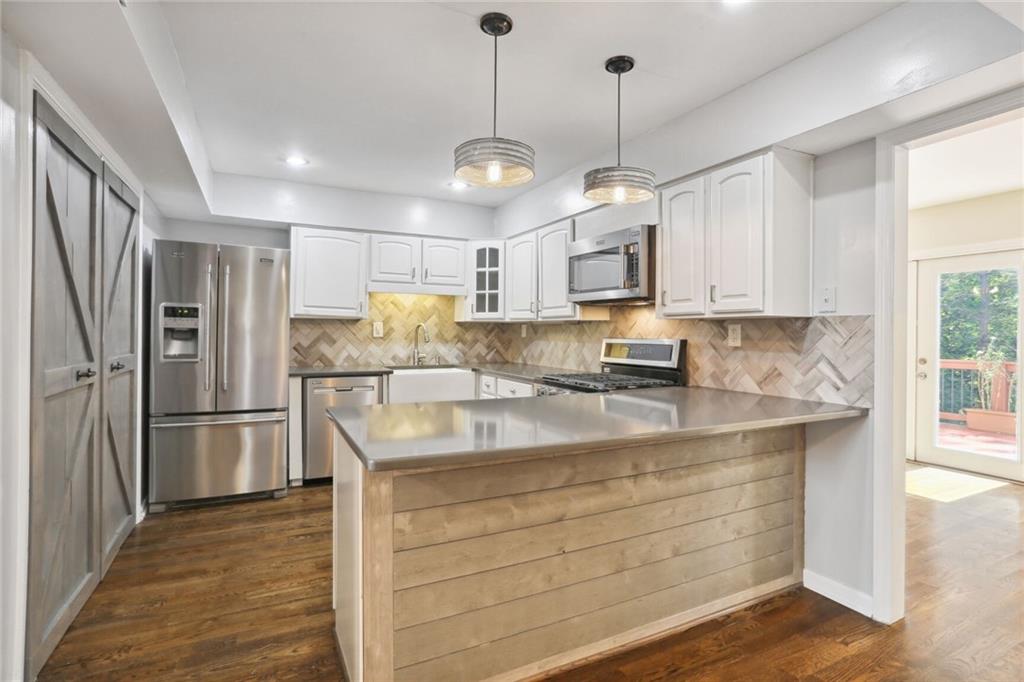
[958, 388]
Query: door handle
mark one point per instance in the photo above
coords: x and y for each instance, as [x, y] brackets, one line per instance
[922, 375]
[713, 292]
[85, 374]
[209, 337]
[116, 366]
[223, 422]
[227, 323]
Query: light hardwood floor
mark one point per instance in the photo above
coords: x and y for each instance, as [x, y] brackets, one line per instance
[243, 592]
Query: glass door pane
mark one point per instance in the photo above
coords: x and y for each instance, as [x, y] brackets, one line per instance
[968, 378]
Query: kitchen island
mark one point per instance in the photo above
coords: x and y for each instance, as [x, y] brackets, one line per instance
[499, 539]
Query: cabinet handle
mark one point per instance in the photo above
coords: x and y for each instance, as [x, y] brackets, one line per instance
[414, 273]
[85, 374]
[533, 307]
[116, 366]
[664, 296]
[426, 273]
[472, 308]
[713, 291]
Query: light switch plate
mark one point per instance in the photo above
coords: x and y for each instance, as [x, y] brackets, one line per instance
[827, 303]
[378, 330]
[735, 339]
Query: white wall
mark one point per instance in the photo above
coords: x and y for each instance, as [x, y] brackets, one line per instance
[844, 230]
[14, 307]
[905, 50]
[239, 235]
[280, 201]
[990, 219]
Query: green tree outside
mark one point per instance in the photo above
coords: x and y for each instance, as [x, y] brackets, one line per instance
[979, 309]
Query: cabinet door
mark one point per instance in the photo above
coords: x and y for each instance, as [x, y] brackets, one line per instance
[487, 281]
[444, 262]
[736, 222]
[521, 292]
[394, 258]
[328, 276]
[683, 286]
[553, 272]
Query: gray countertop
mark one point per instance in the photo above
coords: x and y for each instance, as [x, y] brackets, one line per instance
[415, 435]
[342, 371]
[512, 370]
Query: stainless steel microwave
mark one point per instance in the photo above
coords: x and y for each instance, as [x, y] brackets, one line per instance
[613, 268]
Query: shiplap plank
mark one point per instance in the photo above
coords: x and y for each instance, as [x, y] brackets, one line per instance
[417, 491]
[438, 600]
[378, 591]
[462, 557]
[449, 635]
[491, 659]
[422, 527]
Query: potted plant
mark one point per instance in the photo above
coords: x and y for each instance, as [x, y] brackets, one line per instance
[994, 388]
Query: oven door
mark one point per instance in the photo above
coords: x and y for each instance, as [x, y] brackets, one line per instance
[609, 268]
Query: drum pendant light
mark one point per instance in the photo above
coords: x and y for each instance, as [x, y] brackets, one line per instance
[494, 161]
[619, 184]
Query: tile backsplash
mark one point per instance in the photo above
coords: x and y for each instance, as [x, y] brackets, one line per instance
[822, 358]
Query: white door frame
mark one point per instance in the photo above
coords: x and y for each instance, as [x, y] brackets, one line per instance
[891, 340]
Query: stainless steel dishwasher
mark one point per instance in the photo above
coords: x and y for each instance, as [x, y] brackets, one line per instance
[317, 430]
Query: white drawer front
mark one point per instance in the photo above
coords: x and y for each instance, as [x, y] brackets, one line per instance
[488, 384]
[514, 389]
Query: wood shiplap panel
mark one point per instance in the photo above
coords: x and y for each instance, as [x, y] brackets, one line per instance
[433, 489]
[378, 592]
[481, 662]
[466, 630]
[452, 559]
[479, 590]
[423, 527]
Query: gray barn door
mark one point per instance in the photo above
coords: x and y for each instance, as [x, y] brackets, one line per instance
[64, 557]
[119, 366]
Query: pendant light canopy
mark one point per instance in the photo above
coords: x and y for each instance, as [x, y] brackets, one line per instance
[619, 184]
[494, 161]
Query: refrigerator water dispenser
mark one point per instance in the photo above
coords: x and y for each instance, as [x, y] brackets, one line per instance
[181, 327]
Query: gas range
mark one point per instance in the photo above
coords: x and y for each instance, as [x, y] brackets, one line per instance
[626, 364]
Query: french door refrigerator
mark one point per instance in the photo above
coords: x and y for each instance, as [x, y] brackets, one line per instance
[219, 371]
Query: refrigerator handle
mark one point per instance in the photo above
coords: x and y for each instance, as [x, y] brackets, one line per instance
[209, 312]
[227, 323]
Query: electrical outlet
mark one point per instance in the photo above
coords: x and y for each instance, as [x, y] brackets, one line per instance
[735, 339]
[378, 330]
[522, 330]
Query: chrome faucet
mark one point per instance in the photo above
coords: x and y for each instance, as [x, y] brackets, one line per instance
[417, 357]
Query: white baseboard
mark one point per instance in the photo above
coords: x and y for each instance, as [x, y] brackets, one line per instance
[837, 592]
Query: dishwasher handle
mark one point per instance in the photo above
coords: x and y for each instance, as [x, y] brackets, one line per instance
[343, 389]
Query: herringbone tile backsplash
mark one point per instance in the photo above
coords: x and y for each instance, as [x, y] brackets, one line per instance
[822, 358]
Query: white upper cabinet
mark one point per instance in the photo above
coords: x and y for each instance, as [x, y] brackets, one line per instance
[736, 242]
[486, 272]
[521, 288]
[328, 273]
[394, 258]
[682, 249]
[553, 272]
[444, 262]
[736, 229]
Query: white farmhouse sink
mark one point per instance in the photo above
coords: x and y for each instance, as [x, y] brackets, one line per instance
[431, 384]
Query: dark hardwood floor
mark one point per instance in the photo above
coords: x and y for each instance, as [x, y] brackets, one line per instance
[243, 592]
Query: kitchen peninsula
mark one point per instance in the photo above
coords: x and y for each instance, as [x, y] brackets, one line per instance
[498, 539]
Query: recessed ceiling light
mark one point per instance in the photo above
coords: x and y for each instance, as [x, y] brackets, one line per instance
[458, 185]
[296, 161]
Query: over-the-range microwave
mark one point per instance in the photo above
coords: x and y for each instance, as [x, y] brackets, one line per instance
[613, 268]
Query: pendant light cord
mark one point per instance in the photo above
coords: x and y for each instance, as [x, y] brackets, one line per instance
[494, 119]
[618, 121]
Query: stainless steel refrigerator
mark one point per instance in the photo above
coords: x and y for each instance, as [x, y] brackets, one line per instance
[218, 371]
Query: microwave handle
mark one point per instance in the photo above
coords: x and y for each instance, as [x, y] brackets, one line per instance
[624, 255]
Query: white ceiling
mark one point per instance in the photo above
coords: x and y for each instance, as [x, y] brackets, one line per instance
[377, 95]
[985, 159]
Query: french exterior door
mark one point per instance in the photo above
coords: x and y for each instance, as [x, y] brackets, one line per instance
[968, 387]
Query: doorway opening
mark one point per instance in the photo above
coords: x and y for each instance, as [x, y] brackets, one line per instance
[965, 231]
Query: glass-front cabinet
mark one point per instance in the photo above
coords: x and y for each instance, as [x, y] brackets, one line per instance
[486, 299]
